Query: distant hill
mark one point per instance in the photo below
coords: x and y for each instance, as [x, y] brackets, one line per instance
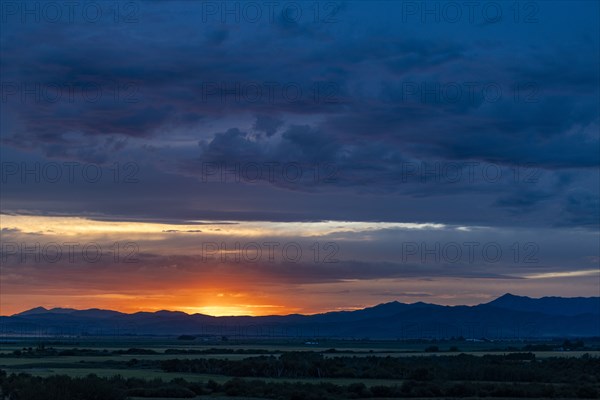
[507, 317]
[549, 305]
[42, 310]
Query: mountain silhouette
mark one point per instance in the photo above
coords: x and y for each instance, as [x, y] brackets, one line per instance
[549, 305]
[507, 317]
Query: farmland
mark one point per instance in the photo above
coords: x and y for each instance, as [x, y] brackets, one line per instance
[145, 367]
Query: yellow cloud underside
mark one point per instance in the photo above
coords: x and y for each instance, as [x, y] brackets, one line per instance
[73, 226]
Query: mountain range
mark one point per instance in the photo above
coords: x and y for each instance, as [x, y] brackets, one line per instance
[507, 317]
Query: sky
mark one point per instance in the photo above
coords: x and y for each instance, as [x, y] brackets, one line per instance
[258, 158]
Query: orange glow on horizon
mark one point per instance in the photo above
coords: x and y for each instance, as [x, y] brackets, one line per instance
[211, 310]
[218, 304]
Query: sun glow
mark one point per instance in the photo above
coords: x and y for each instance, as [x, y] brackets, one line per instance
[219, 311]
[236, 310]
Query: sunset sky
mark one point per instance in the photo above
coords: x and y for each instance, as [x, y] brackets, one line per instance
[298, 159]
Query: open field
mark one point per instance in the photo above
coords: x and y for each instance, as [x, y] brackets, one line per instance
[153, 374]
[160, 344]
[355, 365]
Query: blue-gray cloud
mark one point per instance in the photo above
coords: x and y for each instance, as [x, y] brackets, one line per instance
[367, 98]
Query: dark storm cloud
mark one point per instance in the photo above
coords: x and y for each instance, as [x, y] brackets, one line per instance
[154, 267]
[267, 124]
[582, 208]
[364, 97]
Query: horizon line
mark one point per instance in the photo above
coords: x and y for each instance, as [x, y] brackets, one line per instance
[284, 315]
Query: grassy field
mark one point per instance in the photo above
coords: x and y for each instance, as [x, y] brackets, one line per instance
[49, 364]
[160, 344]
[151, 374]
